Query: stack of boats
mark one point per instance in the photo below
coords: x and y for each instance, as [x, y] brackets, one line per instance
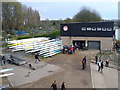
[42, 45]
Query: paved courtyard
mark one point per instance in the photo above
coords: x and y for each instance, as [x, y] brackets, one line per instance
[64, 68]
[71, 73]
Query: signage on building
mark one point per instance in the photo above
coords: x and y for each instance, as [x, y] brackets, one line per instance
[65, 28]
[90, 29]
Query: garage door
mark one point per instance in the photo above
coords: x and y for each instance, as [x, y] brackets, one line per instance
[94, 45]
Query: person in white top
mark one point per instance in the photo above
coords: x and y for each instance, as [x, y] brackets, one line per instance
[99, 66]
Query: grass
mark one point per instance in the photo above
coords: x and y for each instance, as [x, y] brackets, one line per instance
[118, 52]
[119, 65]
[108, 54]
[3, 45]
[105, 54]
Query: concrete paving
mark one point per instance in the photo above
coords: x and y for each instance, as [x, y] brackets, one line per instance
[72, 73]
[0, 82]
[24, 75]
[107, 79]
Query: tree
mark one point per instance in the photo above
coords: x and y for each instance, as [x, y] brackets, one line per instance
[18, 15]
[6, 15]
[11, 15]
[31, 17]
[67, 20]
[87, 15]
[15, 15]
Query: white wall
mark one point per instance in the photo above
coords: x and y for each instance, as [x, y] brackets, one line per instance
[117, 34]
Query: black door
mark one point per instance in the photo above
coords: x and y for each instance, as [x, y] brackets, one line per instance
[94, 45]
[79, 43]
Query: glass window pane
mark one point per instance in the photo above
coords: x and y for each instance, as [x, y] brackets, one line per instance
[83, 28]
[98, 29]
[103, 29]
[93, 29]
[89, 28]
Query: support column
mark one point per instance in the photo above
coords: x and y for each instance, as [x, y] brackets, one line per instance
[69, 41]
[86, 44]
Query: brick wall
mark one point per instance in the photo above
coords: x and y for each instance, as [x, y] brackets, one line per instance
[106, 43]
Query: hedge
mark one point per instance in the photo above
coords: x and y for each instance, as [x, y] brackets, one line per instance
[52, 35]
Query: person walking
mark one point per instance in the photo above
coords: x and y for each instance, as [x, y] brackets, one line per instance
[107, 62]
[37, 58]
[83, 64]
[54, 85]
[96, 59]
[1, 62]
[101, 66]
[4, 60]
[100, 58]
[85, 61]
[63, 86]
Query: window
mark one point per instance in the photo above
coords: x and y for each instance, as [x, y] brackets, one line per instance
[109, 29]
[88, 28]
[103, 29]
[83, 28]
[98, 29]
[93, 29]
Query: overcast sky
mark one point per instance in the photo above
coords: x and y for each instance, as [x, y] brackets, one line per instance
[57, 9]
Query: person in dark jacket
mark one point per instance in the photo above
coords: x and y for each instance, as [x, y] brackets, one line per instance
[54, 85]
[83, 64]
[64, 47]
[101, 66]
[37, 58]
[85, 60]
[63, 86]
[3, 59]
[96, 59]
[107, 62]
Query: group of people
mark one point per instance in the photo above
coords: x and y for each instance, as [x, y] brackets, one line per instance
[72, 48]
[100, 64]
[4, 60]
[54, 85]
[68, 49]
[79, 46]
